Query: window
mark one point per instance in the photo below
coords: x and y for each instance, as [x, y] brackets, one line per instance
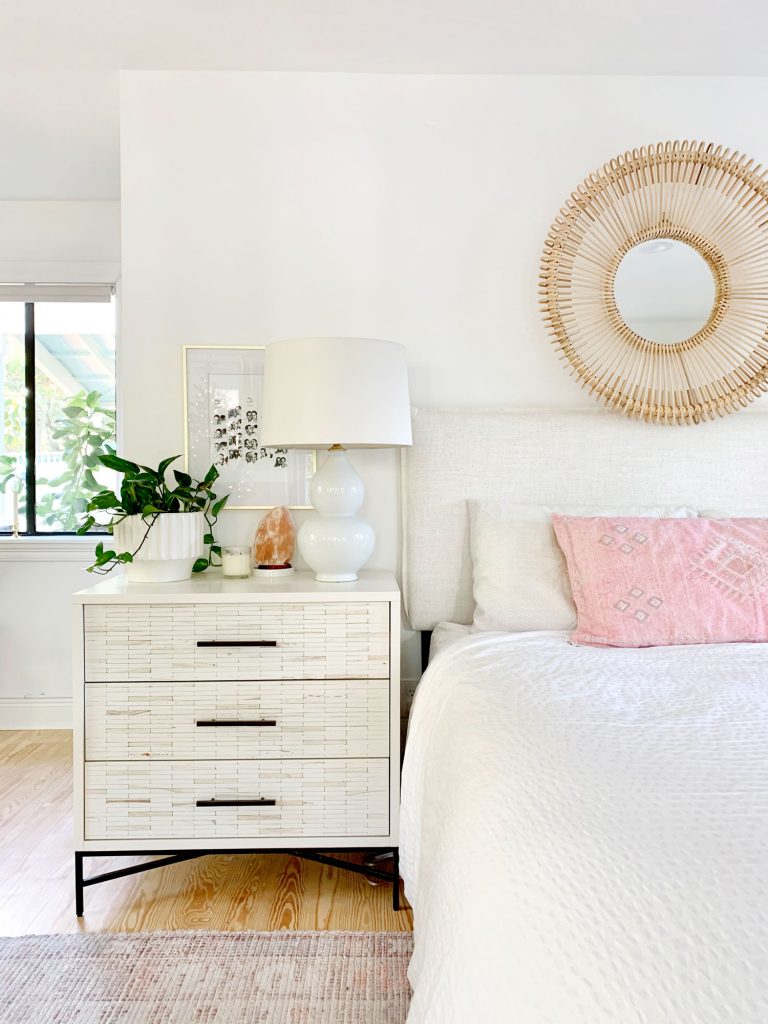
[57, 405]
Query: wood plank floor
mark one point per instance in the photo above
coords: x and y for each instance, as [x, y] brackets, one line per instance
[263, 893]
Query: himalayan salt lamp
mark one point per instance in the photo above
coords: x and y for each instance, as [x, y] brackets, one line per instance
[274, 543]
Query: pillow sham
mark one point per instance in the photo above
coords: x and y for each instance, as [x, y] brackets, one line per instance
[758, 512]
[654, 582]
[519, 575]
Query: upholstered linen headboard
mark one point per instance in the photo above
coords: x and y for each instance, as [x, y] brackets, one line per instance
[556, 458]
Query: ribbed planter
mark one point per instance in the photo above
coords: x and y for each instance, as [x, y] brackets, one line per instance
[169, 552]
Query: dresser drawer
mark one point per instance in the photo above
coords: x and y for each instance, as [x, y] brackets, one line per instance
[328, 640]
[236, 799]
[196, 720]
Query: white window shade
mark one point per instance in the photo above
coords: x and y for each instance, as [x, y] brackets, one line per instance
[56, 292]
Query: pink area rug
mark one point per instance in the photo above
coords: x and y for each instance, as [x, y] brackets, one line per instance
[206, 978]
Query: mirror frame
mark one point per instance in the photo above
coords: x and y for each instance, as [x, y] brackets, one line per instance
[712, 200]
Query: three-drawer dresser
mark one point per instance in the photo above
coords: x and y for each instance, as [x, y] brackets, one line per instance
[222, 715]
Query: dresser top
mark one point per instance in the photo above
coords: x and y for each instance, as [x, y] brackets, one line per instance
[210, 587]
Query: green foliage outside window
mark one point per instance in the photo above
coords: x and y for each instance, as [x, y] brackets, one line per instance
[82, 431]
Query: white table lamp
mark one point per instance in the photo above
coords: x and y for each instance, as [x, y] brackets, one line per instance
[335, 393]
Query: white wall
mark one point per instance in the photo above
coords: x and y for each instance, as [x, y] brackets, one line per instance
[46, 241]
[35, 636]
[259, 206]
[60, 127]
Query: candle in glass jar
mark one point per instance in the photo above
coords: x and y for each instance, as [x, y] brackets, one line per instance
[236, 562]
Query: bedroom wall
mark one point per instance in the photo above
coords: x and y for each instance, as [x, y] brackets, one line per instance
[259, 206]
[50, 240]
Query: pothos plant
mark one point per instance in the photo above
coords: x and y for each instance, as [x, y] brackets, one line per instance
[145, 492]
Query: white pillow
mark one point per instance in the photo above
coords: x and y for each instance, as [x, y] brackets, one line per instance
[733, 513]
[519, 575]
[446, 633]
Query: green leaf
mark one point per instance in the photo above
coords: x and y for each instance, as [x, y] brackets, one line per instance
[112, 461]
[104, 500]
[219, 505]
[184, 479]
[200, 565]
[73, 411]
[162, 468]
[58, 482]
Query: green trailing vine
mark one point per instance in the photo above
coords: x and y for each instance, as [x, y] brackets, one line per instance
[146, 492]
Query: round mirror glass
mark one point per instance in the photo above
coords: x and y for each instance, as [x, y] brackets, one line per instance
[664, 290]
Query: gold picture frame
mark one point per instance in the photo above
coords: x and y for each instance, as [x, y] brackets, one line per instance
[711, 199]
[305, 463]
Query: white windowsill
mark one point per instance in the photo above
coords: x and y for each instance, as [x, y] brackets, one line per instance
[47, 549]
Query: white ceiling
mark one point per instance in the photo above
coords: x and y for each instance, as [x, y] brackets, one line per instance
[421, 36]
[59, 59]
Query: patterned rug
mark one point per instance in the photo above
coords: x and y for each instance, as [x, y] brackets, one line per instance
[206, 978]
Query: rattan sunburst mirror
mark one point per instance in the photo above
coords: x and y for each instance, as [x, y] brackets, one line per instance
[654, 282]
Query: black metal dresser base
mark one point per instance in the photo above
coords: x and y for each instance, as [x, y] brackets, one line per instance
[177, 856]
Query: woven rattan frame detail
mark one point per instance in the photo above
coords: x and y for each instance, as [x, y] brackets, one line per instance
[698, 193]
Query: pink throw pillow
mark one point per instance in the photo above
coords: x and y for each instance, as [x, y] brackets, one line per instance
[652, 582]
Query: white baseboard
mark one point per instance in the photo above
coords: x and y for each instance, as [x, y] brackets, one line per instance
[35, 713]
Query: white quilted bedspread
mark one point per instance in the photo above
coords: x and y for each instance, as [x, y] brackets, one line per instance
[585, 834]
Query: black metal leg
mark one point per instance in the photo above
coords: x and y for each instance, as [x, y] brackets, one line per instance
[370, 868]
[396, 879]
[79, 884]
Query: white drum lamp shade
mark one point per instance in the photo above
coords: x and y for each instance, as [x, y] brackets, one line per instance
[324, 391]
[335, 393]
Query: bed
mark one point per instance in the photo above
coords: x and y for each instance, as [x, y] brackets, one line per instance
[584, 832]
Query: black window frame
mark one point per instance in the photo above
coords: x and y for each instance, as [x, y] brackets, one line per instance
[30, 436]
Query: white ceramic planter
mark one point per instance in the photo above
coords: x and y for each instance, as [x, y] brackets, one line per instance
[169, 552]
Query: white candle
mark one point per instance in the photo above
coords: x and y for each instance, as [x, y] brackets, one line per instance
[236, 562]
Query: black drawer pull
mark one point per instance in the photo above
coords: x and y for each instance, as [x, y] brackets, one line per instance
[235, 803]
[227, 722]
[237, 643]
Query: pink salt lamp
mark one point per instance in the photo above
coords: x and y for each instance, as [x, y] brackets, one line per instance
[274, 543]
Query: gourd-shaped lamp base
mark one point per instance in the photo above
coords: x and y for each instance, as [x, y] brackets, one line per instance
[334, 542]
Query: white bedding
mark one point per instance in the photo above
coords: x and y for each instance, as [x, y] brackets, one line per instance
[585, 834]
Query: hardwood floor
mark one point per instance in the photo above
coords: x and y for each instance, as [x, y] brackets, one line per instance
[262, 893]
